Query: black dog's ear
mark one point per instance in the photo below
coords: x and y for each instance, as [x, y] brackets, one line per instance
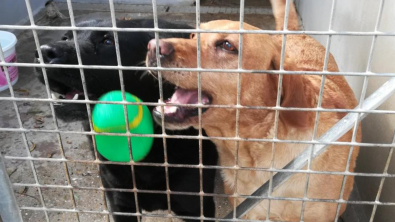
[48, 2]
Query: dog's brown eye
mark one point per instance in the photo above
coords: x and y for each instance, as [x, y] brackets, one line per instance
[228, 46]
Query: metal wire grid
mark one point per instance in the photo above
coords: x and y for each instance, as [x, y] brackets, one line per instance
[358, 113]
[325, 68]
[199, 109]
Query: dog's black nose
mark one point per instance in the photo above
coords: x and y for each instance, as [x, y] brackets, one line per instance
[51, 54]
[165, 48]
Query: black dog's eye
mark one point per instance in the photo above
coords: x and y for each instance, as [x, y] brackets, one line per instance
[227, 46]
[108, 42]
[65, 38]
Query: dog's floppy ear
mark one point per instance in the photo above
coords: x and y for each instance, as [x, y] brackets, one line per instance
[296, 92]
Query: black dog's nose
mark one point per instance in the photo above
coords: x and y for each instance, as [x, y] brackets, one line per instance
[165, 48]
[51, 54]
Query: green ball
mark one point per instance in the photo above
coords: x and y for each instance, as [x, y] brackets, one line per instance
[110, 118]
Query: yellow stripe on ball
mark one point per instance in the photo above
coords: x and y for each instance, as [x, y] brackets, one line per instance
[111, 118]
[137, 120]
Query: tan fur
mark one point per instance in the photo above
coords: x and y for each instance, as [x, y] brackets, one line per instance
[263, 52]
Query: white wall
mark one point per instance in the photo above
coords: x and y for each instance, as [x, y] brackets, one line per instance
[14, 11]
[352, 54]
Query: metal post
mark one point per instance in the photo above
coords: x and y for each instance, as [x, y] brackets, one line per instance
[9, 209]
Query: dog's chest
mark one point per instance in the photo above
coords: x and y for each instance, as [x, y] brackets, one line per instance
[258, 155]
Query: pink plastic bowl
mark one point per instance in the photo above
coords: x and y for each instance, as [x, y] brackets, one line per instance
[8, 42]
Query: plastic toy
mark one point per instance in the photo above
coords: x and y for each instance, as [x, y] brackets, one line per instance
[111, 118]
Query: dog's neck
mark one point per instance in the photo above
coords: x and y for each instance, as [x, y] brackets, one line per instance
[257, 90]
[252, 154]
[260, 90]
[253, 124]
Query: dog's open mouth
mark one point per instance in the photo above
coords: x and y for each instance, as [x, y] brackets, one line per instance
[60, 90]
[181, 113]
[72, 94]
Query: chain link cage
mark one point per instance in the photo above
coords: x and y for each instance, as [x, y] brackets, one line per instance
[12, 210]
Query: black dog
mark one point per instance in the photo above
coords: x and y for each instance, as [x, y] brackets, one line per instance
[97, 48]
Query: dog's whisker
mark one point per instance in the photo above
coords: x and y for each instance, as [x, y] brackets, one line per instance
[142, 63]
[144, 74]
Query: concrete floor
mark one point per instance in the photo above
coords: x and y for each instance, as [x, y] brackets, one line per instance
[35, 115]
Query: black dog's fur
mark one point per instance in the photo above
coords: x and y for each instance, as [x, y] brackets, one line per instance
[97, 49]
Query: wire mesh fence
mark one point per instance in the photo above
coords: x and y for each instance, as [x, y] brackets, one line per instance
[278, 176]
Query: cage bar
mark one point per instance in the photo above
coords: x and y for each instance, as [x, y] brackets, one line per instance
[9, 209]
[284, 72]
[278, 101]
[271, 32]
[319, 103]
[239, 79]
[160, 79]
[125, 110]
[197, 137]
[385, 171]
[199, 76]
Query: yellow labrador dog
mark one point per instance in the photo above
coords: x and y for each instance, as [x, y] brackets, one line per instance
[262, 52]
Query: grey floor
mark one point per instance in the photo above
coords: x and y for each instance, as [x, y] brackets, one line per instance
[35, 115]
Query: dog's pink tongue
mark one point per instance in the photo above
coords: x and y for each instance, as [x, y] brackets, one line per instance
[181, 96]
[71, 94]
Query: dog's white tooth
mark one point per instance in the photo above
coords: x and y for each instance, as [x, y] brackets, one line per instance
[158, 108]
[54, 96]
[172, 109]
[75, 97]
